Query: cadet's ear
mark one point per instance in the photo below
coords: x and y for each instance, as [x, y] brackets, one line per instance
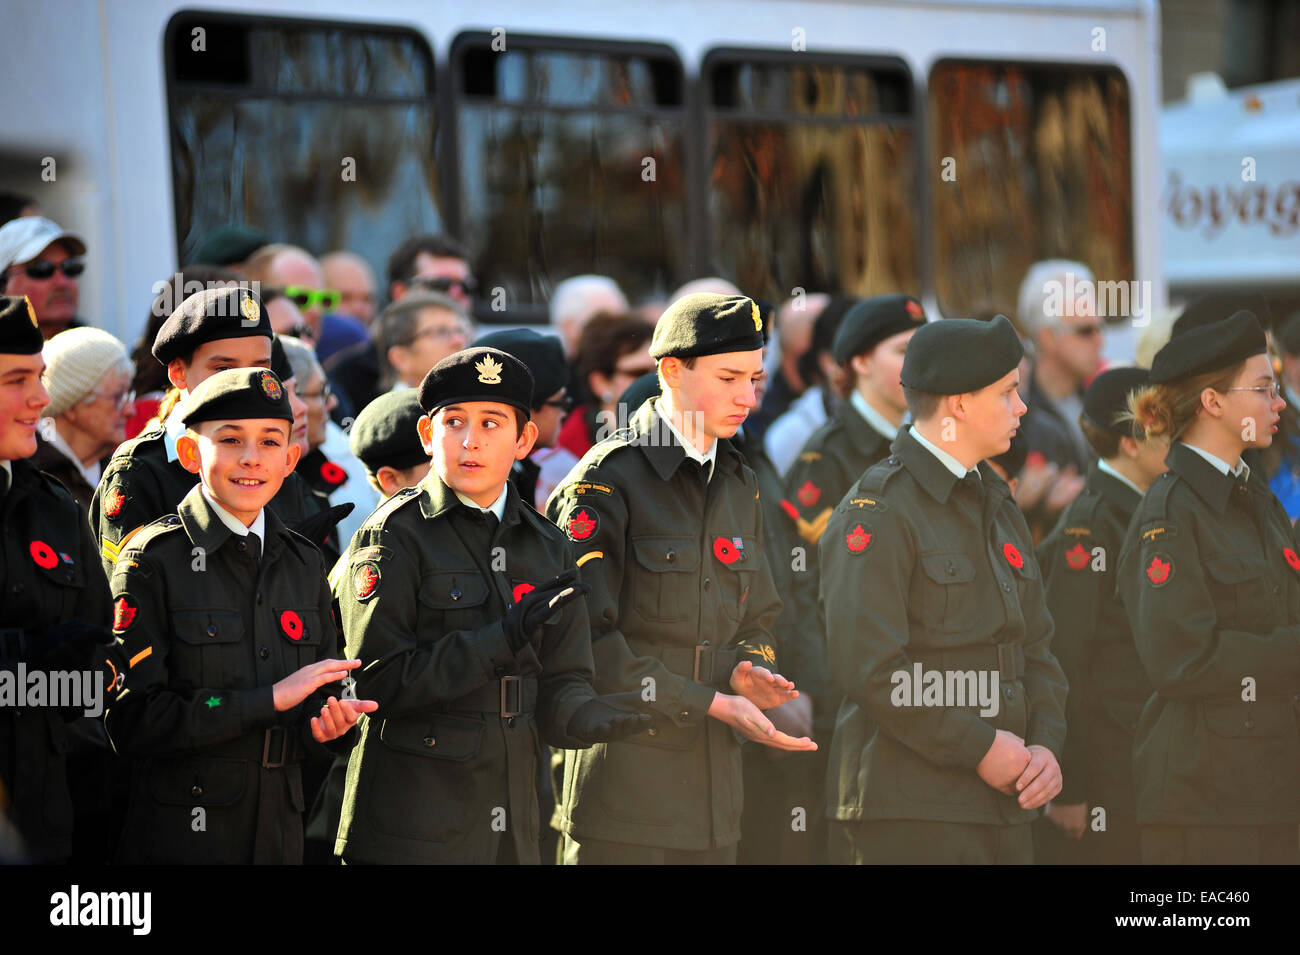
[1129, 447]
[424, 427]
[187, 452]
[176, 373]
[295, 452]
[524, 444]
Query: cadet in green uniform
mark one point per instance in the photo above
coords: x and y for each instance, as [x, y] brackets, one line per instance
[53, 600]
[465, 605]
[937, 630]
[1108, 687]
[670, 527]
[224, 618]
[1210, 580]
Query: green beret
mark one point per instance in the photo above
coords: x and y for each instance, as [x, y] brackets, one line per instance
[1209, 348]
[229, 245]
[871, 321]
[477, 374]
[209, 316]
[543, 354]
[384, 433]
[236, 394]
[706, 324]
[19, 333]
[954, 356]
[1107, 398]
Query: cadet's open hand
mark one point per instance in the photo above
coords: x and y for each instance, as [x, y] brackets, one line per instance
[1071, 819]
[1004, 763]
[761, 686]
[338, 716]
[794, 718]
[749, 719]
[1041, 780]
[300, 684]
[598, 722]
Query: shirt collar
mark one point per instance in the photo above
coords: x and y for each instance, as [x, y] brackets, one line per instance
[1242, 469]
[958, 470]
[1105, 468]
[173, 428]
[233, 524]
[874, 417]
[691, 451]
[497, 507]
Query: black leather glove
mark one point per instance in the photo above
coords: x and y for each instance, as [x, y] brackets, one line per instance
[319, 527]
[598, 722]
[67, 645]
[523, 621]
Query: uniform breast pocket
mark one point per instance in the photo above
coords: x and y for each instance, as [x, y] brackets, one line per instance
[1240, 589]
[207, 651]
[451, 600]
[948, 602]
[1254, 752]
[737, 572]
[663, 584]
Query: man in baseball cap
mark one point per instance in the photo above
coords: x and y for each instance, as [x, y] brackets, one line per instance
[38, 259]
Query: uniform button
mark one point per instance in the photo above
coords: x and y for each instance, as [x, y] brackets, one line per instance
[707, 583]
[259, 598]
[1250, 724]
[456, 594]
[1006, 586]
[652, 731]
[686, 714]
[263, 652]
[1277, 589]
[196, 791]
[68, 576]
[671, 557]
[242, 546]
[212, 630]
[510, 721]
[430, 741]
[499, 671]
[18, 589]
[1008, 692]
[952, 570]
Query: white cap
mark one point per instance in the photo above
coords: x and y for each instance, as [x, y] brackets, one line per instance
[26, 237]
[75, 361]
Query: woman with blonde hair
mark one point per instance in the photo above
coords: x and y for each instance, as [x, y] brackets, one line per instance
[1210, 579]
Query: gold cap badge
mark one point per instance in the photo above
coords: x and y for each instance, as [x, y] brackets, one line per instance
[758, 319]
[489, 371]
[248, 308]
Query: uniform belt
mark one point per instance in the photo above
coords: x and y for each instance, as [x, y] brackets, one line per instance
[509, 696]
[1007, 658]
[13, 644]
[703, 664]
[273, 748]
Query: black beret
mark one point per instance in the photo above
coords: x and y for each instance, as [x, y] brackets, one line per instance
[872, 320]
[1209, 348]
[19, 332]
[235, 394]
[639, 392]
[1107, 398]
[280, 360]
[477, 374]
[956, 355]
[229, 245]
[384, 434]
[1215, 308]
[209, 316]
[707, 324]
[1288, 334]
[543, 354]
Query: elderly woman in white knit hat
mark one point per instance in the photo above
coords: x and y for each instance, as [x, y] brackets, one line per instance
[88, 375]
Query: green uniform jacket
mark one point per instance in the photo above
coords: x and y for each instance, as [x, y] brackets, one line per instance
[140, 485]
[1108, 686]
[835, 457]
[440, 775]
[1210, 579]
[919, 568]
[673, 562]
[206, 631]
[50, 575]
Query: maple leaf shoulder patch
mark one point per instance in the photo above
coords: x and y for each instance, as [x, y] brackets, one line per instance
[365, 580]
[858, 539]
[582, 522]
[1076, 558]
[1160, 569]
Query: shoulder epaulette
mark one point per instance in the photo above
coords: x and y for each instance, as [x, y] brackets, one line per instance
[879, 475]
[140, 539]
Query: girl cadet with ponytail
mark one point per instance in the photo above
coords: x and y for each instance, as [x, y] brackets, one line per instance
[1210, 580]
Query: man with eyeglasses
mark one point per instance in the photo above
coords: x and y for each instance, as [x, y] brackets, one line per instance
[297, 275]
[41, 261]
[416, 333]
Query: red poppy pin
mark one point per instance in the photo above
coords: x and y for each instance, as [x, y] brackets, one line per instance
[291, 624]
[1012, 555]
[44, 555]
[809, 494]
[365, 579]
[1076, 557]
[519, 590]
[583, 523]
[113, 501]
[331, 473]
[123, 613]
[725, 550]
[1159, 571]
[857, 540]
[1291, 558]
[913, 308]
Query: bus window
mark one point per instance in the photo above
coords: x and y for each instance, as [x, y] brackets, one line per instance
[810, 173]
[317, 134]
[570, 159]
[1039, 168]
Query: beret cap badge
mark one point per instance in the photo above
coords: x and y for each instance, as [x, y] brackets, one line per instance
[758, 319]
[489, 371]
[270, 385]
[31, 312]
[248, 308]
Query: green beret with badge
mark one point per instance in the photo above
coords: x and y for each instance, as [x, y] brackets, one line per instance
[1208, 348]
[19, 332]
[955, 356]
[871, 320]
[477, 374]
[209, 316]
[707, 324]
[384, 433]
[237, 394]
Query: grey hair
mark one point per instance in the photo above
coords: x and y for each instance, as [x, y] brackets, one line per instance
[302, 359]
[1035, 290]
[571, 297]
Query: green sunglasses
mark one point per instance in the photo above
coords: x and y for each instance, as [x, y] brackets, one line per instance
[307, 297]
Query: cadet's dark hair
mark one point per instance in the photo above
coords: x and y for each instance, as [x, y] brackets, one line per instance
[401, 264]
[1105, 443]
[921, 404]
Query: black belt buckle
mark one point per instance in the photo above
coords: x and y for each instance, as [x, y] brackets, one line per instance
[12, 644]
[518, 708]
[704, 658]
[268, 747]
[1007, 661]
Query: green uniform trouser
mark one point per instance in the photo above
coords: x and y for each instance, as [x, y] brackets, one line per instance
[599, 852]
[923, 842]
[1221, 845]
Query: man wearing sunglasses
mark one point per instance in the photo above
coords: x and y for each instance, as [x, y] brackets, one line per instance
[298, 275]
[41, 261]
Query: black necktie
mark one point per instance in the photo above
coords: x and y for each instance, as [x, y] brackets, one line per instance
[4, 483]
[254, 546]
